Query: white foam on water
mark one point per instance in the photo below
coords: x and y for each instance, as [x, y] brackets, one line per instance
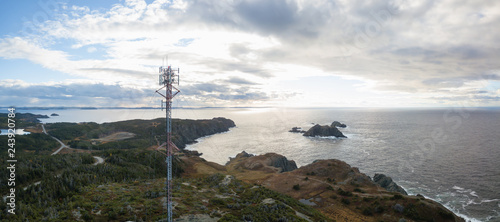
[452, 209]
[473, 193]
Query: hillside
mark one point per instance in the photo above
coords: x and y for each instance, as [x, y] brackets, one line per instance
[338, 190]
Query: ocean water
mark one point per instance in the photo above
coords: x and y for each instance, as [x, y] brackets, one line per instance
[450, 155]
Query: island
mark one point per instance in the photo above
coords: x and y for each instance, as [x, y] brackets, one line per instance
[296, 129]
[54, 114]
[325, 130]
[322, 131]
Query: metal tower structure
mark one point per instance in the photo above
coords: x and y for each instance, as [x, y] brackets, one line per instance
[167, 78]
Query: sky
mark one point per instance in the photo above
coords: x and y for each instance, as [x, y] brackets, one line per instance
[251, 53]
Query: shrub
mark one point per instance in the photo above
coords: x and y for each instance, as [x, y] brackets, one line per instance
[344, 193]
[397, 197]
[345, 201]
[368, 211]
[296, 187]
[359, 190]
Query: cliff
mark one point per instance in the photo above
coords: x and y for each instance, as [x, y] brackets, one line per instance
[187, 131]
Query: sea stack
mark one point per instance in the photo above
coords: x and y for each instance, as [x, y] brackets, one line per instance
[318, 130]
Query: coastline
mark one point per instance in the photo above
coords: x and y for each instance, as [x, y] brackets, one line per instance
[361, 137]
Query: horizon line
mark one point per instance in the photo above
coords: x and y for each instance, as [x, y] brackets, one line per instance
[245, 107]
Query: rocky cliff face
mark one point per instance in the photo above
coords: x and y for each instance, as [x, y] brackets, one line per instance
[318, 130]
[387, 183]
[187, 131]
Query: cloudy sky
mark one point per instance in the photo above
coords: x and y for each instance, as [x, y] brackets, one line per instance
[292, 53]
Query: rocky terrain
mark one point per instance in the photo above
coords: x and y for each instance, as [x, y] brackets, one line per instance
[333, 187]
[387, 183]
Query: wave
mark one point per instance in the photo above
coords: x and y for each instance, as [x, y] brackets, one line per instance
[464, 196]
[455, 211]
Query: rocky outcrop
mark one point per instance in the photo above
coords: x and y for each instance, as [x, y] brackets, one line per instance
[387, 183]
[269, 162]
[318, 130]
[332, 186]
[338, 124]
[296, 130]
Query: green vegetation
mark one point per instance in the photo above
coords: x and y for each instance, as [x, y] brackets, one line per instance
[345, 201]
[397, 197]
[147, 132]
[344, 193]
[65, 177]
[23, 120]
[144, 200]
[34, 142]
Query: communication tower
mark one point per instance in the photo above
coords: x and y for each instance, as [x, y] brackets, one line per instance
[167, 78]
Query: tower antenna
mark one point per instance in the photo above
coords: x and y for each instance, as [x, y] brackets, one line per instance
[166, 79]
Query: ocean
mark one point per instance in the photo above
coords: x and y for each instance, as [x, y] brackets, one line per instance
[451, 155]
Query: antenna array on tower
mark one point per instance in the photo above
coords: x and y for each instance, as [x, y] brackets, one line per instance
[166, 78]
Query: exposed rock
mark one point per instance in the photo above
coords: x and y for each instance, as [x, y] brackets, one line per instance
[318, 130]
[192, 153]
[387, 183]
[54, 114]
[268, 162]
[296, 130]
[227, 180]
[399, 208]
[307, 202]
[338, 124]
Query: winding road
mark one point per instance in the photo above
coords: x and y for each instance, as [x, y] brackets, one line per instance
[60, 142]
[99, 160]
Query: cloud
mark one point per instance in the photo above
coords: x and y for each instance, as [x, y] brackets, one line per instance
[239, 81]
[73, 94]
[230, 49]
